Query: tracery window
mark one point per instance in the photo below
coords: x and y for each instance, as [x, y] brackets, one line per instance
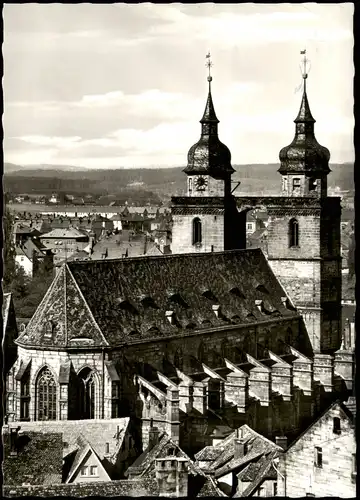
[197, 236]
[46, 395]
[293, 233]
[86, 394]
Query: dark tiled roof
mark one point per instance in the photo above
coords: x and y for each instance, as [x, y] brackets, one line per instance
[351, 405]
[257, 472]
[95, 432]
[226, 461]
[135, 293]
[145, 463]
[39, 459]
[210, 489]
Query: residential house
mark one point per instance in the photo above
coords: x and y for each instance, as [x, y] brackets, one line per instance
[123, 244]
[29, 255]
[64, 242]
[258, 239]
[117, 221]
[322, 460]
[253, 223]
[242, 463]
[164, 458]
[22, 232]
[54, 198]
[92, 451]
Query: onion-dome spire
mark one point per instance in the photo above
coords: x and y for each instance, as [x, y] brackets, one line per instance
[209, 155]
[304, 154]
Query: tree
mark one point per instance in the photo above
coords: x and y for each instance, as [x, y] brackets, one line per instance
[9, 249]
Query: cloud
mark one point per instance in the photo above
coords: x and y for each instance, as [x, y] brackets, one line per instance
[127, 83]
[57, 142]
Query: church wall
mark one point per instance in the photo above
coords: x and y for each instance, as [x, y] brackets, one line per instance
[244, 337]
[309, 236]
[53, 360]
[300, 278]
[212, 233]
[214, 187]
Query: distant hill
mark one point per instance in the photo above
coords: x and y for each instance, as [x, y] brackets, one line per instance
[164, 182]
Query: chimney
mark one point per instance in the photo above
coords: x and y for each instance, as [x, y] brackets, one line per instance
[170, 316]
[172, 476]
[14, 431]
[216, 309]
[284, 301]
[281, 441]
[240, 447]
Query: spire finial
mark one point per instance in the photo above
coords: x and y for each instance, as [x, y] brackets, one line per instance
[304, 67]
[209, 64]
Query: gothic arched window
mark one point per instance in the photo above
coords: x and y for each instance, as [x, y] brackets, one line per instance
[293, 233]
[46, 395]
[178, 359]
[201, 352]
[86, 394]
[197, 236]
[289, 335]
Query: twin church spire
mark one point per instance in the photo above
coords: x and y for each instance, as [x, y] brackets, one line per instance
[304, 155]
[209, 155]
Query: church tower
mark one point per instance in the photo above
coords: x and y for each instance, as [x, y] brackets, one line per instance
[205, 219]
[304, 233]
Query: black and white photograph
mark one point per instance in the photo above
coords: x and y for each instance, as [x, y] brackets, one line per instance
[178, 288]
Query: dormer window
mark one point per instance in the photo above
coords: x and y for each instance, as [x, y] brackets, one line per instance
[197, 231]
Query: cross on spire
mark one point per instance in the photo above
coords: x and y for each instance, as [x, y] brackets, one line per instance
[304, 62]
[209, 64]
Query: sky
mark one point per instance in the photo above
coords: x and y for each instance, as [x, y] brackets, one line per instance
[124, 85]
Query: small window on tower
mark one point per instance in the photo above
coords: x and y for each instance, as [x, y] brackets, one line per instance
[190, 184]
[197, 236]
[312, 184]
[296, 184]
[293, 233]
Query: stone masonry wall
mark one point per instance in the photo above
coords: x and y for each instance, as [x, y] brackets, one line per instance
[53, 360]
[212, 233]
[335, 477]
[309, 236]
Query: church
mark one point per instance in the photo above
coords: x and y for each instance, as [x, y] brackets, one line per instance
[212, 336]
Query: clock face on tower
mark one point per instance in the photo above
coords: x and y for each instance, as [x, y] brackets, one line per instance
[200, 183]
